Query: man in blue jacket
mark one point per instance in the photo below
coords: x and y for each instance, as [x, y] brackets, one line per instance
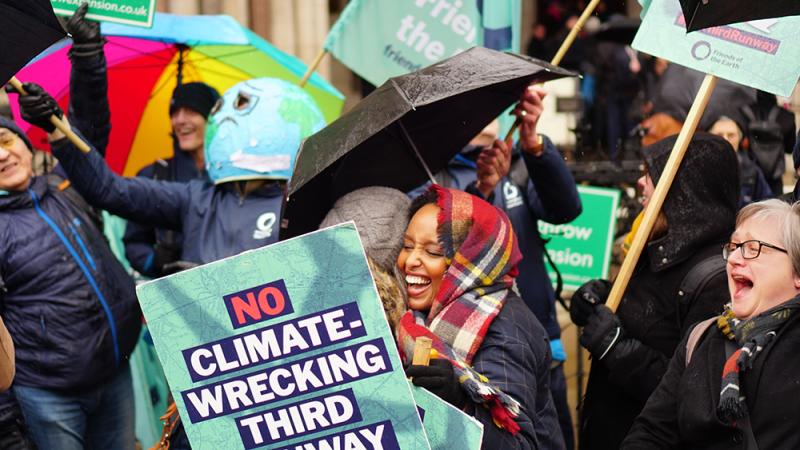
[89, 113]
[540, 187]
[155, 252]
[69, 305]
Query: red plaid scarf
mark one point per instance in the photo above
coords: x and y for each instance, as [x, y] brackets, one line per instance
[482, 255]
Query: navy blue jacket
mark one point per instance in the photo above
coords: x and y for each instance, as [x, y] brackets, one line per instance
[216, 222]
[140, 238]
[515, 356]
[550, 195]
[70, 306]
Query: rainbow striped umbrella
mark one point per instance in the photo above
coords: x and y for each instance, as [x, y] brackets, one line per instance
[143, 69]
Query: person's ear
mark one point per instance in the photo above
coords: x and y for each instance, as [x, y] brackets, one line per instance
[797, 283]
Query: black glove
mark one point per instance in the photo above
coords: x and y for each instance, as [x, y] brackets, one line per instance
[586, 299]
[440, 379]
[37, 106]
[86, 38]
[163, 255]
[602, 332]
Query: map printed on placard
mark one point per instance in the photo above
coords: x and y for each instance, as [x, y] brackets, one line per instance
[284, 347]
[447, 427]
[762, 54]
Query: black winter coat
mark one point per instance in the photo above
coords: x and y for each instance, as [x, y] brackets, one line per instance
[700, 211]
[681, 413]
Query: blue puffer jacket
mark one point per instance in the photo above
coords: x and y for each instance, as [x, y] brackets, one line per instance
[216, 222]
[70, 306]
[550, 195]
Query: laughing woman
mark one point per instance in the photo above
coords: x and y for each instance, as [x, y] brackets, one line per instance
[459, 258]
[738, 386]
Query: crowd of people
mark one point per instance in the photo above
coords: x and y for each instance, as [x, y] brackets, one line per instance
[696, 356]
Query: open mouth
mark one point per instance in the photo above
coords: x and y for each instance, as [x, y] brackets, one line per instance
[184, 131]
[8, 167]
[742, 285]
[417, 285]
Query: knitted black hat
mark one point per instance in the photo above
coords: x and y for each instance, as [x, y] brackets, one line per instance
[196, 96]
[11, 125]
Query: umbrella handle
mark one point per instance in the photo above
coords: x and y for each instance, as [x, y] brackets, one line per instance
[660, 193]
[58, 123]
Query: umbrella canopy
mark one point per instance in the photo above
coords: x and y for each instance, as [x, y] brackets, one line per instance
[701, 14]
[26, 28]
[144, 65]
[427, 115]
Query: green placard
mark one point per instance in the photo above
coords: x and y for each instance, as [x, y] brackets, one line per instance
[283, 347]
[762, 54]
[379, 39]
[130, 12]
[582, 248]
[447, 427]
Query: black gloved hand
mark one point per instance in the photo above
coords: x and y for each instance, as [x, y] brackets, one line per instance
[163, 256]
[440, 379]
[86, 37]
[602, 332]
[586, 299]
[37, 106]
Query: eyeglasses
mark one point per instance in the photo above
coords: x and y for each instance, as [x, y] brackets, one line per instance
[750, 249]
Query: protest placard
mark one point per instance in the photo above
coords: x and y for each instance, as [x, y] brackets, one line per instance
[762, 54]
[284, 347]
[447, 427]
[130, 12]
[379, 39]
[582, 248]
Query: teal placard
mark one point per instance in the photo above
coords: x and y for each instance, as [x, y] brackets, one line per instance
[130, 12]
[582, 248]
[762, 54]
[379, 39]
[283, 347]
[447, 427]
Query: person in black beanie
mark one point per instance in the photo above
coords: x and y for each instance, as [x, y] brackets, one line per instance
[154, 252]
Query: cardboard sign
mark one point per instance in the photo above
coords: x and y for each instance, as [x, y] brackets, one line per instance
[762, 54]
[447, 427]
[130, 12]
[582, 248]
[284, 347]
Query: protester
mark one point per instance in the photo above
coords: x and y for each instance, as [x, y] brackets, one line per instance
[381, 215]
[678, 281]
[529, 183]
[770, 132]
[731, 381]
[795, 194]
[155, 252]
[69, 305]
[238, 206]
[753, 184]
[460, 259]
[89, 112]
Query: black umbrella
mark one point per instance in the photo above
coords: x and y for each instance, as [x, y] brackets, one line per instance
[701, 14]
[26, 28]
[407, 129]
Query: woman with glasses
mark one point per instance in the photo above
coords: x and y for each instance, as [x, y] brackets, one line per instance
[734, 380]
[632, 348]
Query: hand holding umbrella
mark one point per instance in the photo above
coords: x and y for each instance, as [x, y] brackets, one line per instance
[40, 109]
